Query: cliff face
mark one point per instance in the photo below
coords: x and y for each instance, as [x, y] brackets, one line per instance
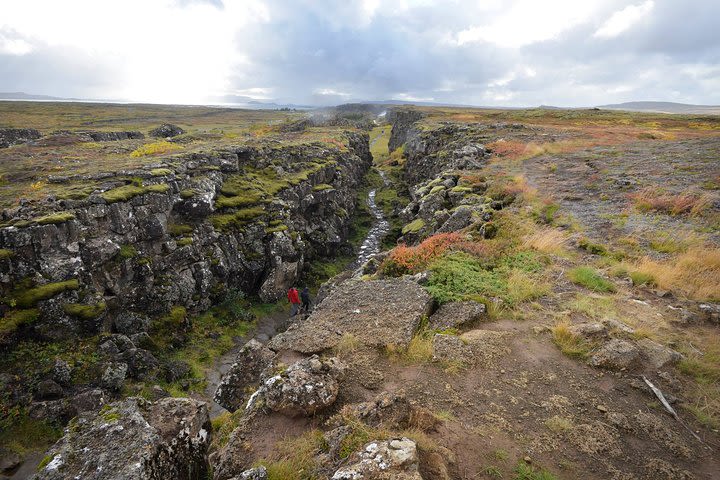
[402, 121]
[179, 233]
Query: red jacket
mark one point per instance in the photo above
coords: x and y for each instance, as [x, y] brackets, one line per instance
[293, 296]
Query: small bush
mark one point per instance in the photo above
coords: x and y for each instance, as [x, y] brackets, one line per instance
[403, 259]
[590, 278]
[642, 278]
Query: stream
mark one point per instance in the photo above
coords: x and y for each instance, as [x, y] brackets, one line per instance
[270, 325]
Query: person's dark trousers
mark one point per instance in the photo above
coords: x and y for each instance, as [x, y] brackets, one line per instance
[294, 309]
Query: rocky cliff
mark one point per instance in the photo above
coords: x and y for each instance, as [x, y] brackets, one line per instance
[180, 232]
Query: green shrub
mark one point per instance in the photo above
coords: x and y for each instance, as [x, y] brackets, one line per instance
[527, 472]
[590, 278]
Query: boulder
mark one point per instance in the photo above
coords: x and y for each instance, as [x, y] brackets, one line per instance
[114, 376]
[305, 388]
[166, 130]
[710, 312]
[9, 460]
[390, 459]
[456, 315]
[244, 375]
[134, 440]
[588, 331]
[129, 323]
[259, 473]
[48, 390]
[616, 355]
[375, 312]
[657, 355]
[391, 410]
[62, 373]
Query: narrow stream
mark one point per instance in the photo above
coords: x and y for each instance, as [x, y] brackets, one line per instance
[270, 325]
[373, 241]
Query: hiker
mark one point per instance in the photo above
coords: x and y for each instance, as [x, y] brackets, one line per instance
[294, 301]
[305, 297]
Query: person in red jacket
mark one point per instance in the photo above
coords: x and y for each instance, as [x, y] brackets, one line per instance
[294, 298]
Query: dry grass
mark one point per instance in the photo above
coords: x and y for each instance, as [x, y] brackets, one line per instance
[348, 344]
[683, 203]
[558, 424]
[546, 240]
[694, 273]
[569, 343]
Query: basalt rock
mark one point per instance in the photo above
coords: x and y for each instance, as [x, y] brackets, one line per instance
[456, 315]
[395, 459]
[134, 439]
[305, 388]
[15, 136]
[166, 130]
[244, 375]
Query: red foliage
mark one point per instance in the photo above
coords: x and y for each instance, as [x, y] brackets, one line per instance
[404, 259]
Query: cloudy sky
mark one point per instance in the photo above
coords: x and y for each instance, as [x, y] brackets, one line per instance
[482, 52]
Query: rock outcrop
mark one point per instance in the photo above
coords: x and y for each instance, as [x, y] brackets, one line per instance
[196, 226]
[354, 309]
[166, 130]
[15, 136]
[134, 439]
[394, 459]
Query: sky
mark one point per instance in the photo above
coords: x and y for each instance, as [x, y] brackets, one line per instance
[484, 52]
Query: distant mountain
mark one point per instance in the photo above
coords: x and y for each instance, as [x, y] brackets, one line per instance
[27, 96]
[664, 107]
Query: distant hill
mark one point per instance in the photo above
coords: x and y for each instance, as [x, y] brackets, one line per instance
[664, 107]
[27, 96]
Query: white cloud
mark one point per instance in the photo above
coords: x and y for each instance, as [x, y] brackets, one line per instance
[528, 21]
[622, 20]
[14, 46]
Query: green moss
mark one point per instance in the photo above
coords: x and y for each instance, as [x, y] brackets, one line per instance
[109, 414]
[589, 278]
[159, 188]
[5, 254]
[26, 298]
[122, 194]
[55, 218]
[277, 228]
[127, 251]
[237, 219]
[437, 188]
[322, 186]
[179, 229]
[188, 193]
[128, 192]
[238, 201]
[22, 434]
[14, 318]
[183, 242]
[84, 312]
[159, 172]
[414, 226]
[460, 189]
[45, 462]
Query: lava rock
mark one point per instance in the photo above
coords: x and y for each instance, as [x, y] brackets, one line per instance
[15, 136]
[134, 440]
[395, 458]
[306, 387]
[456, 315]
[48, 390]
[166, 130]
[259, 473]
[244, 374]
[450, 348]
[114, 376]
[616, 355]
[129, 323]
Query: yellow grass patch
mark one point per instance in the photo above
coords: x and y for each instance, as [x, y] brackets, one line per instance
[546, 240]
[694, 273]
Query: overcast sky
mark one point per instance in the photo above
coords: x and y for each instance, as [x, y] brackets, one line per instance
[483, 52]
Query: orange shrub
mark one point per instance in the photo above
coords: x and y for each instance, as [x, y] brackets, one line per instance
[404, 259]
